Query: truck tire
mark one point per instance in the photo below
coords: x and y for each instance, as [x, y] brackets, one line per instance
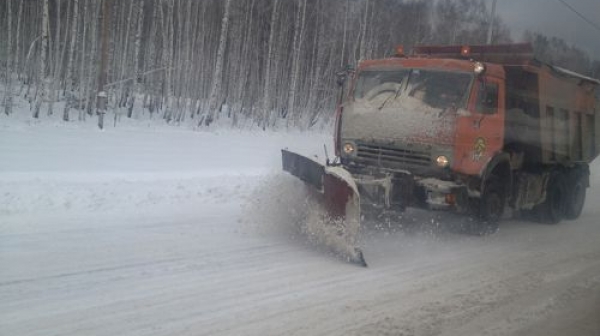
[490, 207]
[576, 200]
[552, 211]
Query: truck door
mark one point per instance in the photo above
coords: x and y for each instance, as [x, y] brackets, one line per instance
[480, 134]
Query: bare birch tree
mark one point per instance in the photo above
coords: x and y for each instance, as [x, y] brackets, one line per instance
[217, 77]
[169, 61]
[296, 49]
[82, 77]
[70, 62]
[92, 67]
[9, 63]
[136, 58]
[267, 88]
[270, 61]
[54, 92]
[43, 61]
[102, 96]
[363, 33]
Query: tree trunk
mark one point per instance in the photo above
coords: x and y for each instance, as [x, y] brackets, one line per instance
[18, 41]
[152, 52]
[102, 96]
[69, 76]
[136, 59]
[9, 58]
[169, 50]
[217, 77]
[297, 44]
[318, 67]
[82, 78]
[370, 48]
[267, 89]
[63, 53]
[124, 89]
[187, 60]
[244, 94]
[57, 59]
[92, 68]
[57, 39]
[363, 34]
[43, 61]
[182, 41]
[202, 78]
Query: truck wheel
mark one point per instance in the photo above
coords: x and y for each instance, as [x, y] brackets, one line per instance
[552, 211]
[576, 200]
[491, 207]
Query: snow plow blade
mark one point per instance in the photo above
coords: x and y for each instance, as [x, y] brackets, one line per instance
[335, 191]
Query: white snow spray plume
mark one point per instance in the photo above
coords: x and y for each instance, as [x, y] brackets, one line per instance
[276, 205]
[284, 205]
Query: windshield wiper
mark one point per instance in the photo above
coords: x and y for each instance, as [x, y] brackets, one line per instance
[404, 82]
[388, 98]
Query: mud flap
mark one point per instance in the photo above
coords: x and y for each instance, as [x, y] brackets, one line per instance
[336, 192]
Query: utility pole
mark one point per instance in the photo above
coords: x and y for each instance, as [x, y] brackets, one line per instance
[491, 27]
[102, 96]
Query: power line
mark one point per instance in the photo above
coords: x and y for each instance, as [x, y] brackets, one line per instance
[590, 22]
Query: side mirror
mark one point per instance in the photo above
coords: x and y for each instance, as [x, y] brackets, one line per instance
[340, 77]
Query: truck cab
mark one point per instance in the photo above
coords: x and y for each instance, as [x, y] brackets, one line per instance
[452, 128]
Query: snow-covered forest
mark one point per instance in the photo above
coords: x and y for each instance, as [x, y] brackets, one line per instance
[262, 63]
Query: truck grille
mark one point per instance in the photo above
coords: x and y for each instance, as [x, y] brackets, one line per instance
[384, 156]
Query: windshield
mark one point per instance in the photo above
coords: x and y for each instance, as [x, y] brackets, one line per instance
[372, 83]
[437, 89]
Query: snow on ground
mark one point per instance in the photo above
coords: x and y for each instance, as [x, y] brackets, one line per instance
[150, 231]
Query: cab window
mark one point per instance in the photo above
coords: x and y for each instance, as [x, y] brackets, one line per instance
[487, 98]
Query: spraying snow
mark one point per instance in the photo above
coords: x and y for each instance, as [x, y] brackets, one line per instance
[283, 205]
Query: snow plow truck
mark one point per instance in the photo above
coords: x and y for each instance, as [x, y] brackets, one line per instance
[468, 129]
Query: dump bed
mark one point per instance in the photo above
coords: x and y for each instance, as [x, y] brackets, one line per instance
[552, 114]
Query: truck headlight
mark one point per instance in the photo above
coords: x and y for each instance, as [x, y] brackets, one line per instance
[442, 161]
[349, 148]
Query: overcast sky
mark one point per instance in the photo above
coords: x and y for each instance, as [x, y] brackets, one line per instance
[552, 18]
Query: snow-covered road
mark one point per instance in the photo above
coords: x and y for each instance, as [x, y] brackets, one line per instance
[153, 233]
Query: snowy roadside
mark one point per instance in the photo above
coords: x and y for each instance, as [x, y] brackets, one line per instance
[45, 170]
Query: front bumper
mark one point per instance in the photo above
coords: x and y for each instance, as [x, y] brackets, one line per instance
[397, 191]
[444, 195]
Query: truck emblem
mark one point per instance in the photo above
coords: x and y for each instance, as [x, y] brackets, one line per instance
[478, 149]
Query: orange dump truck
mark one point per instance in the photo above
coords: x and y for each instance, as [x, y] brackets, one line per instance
[470, 129]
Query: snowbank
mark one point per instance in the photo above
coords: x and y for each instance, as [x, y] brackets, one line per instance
[59, 168]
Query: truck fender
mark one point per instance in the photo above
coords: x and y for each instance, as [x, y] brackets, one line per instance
[581, 170]
[500, 160]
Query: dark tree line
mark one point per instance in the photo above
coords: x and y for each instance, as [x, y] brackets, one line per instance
[265, 63]
[556, 51]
